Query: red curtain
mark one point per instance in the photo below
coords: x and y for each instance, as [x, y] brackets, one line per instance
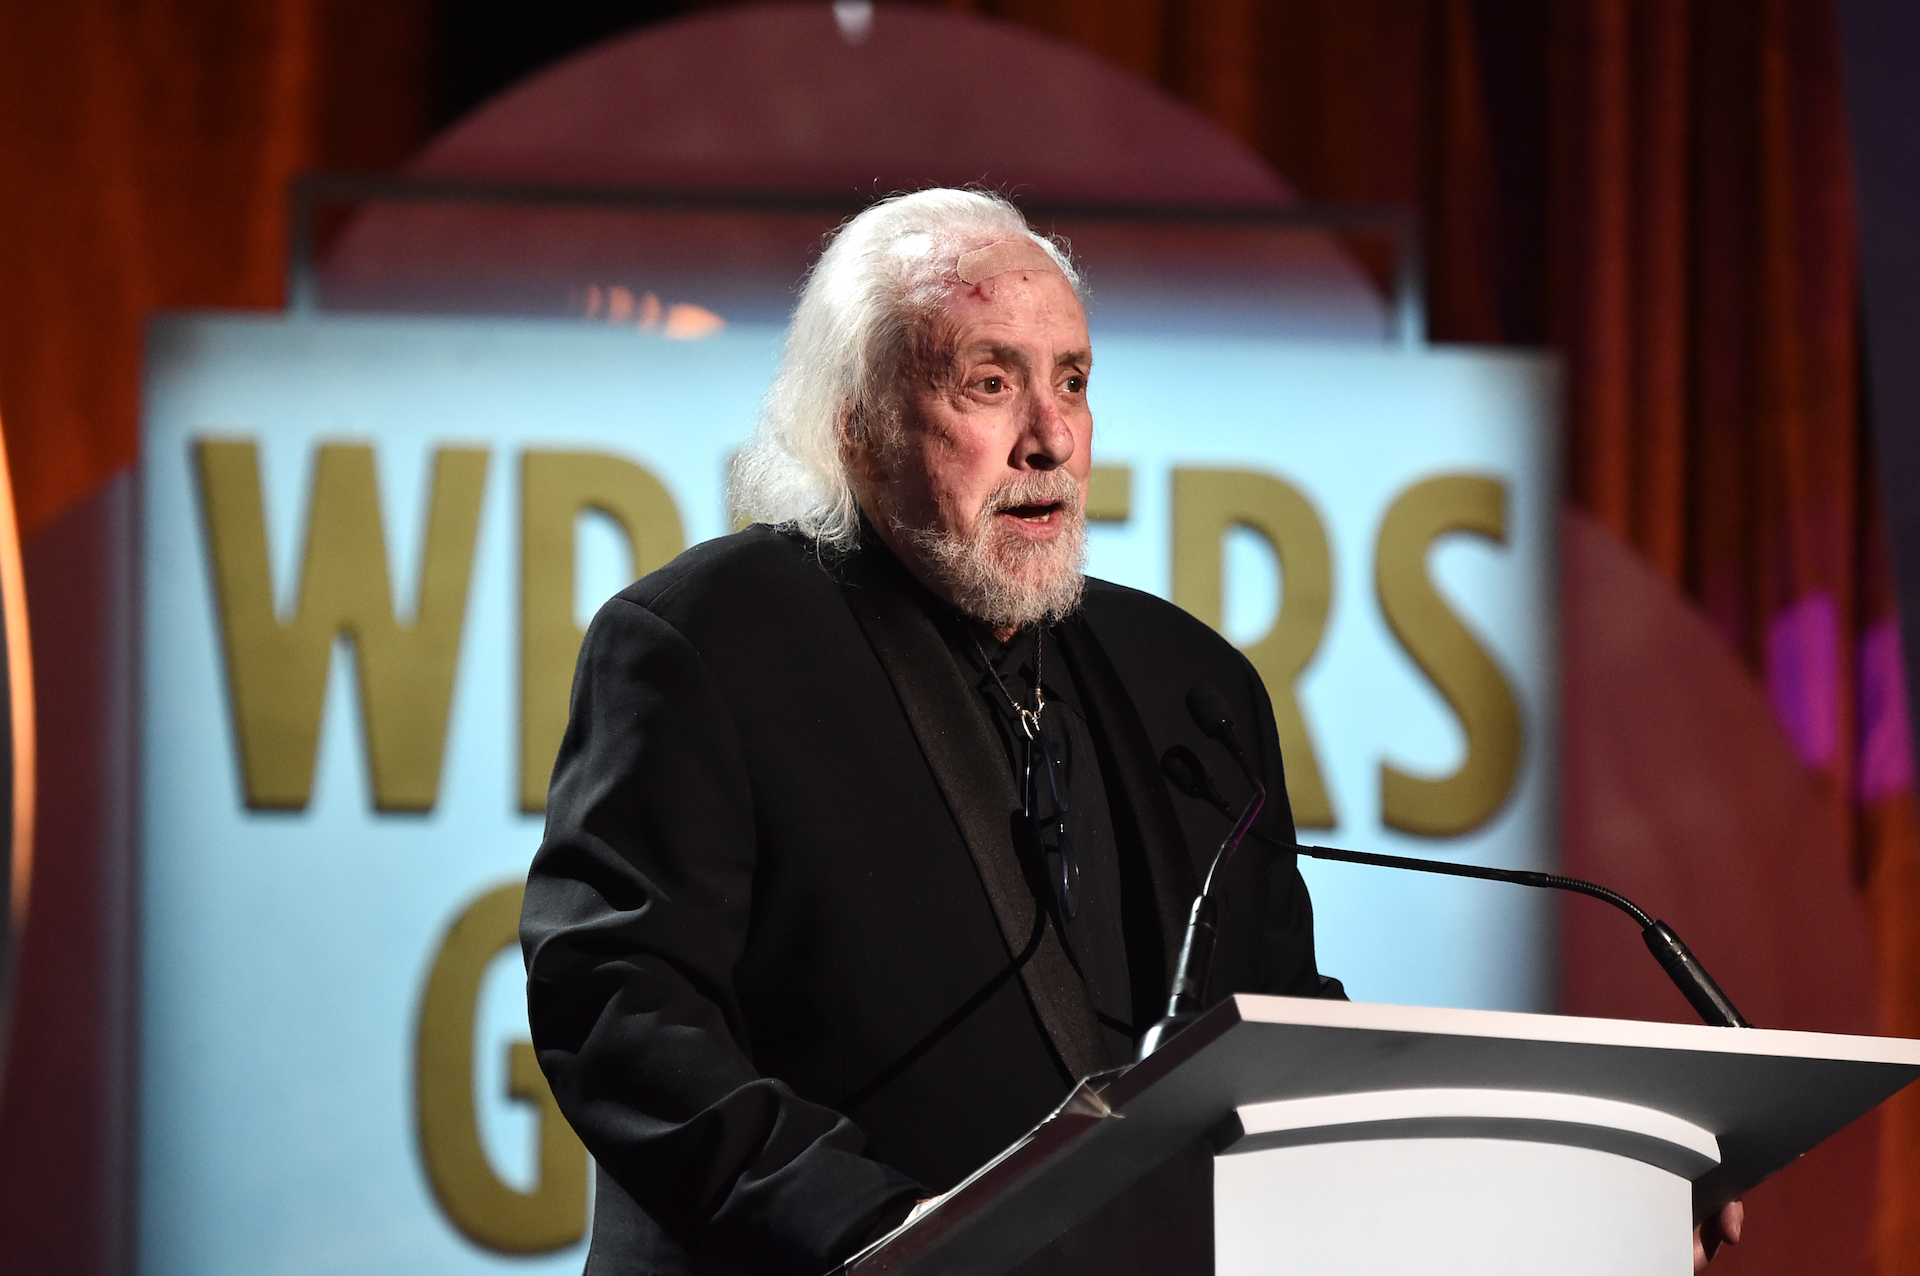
[145, 147]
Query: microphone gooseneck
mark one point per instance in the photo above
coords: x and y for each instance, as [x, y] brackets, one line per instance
[1682, 967]
[1189, 994]
[1187, 774]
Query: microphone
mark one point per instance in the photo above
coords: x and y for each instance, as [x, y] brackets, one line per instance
[1210, 714]
[1189, 775]
[1188, 996]
[1688, 975]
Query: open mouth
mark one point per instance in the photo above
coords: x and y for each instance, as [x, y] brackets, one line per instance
[1036, 513]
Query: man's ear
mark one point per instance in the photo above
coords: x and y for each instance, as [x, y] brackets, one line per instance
[859, 450]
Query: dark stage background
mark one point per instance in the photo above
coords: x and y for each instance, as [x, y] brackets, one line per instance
[1659, 189]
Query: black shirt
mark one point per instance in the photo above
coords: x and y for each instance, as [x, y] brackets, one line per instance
[1112, 933]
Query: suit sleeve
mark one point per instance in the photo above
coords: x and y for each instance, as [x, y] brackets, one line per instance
[1286, 965]
[636, 913]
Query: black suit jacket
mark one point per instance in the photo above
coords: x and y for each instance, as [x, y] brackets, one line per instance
[786, 970]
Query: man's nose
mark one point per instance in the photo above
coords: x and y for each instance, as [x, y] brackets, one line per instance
[1047, 443]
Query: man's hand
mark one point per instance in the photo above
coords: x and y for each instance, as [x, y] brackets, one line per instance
[1722, 1229]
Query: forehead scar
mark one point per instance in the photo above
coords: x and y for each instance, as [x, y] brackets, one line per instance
[998, 259]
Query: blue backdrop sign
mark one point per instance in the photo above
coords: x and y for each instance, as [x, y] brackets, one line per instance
[370, 548]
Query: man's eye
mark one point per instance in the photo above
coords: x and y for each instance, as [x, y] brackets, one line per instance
[992, 385]
[1076, 384]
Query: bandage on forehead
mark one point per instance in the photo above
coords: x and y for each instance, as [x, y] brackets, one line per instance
[998, 259]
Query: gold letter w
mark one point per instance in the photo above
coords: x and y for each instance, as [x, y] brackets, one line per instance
[277, 672]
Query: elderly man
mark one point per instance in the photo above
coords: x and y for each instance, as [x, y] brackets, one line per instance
[858, 852]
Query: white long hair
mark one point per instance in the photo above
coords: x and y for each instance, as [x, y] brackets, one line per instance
[886, 271]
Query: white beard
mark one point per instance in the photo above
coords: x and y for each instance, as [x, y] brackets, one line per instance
[1000, 578]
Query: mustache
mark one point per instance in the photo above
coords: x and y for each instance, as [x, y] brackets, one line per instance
[1040, 487]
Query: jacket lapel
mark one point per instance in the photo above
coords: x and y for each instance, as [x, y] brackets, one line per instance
[969, 765]
[1135, 790]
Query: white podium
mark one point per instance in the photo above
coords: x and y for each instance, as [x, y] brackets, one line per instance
[1358, 1139]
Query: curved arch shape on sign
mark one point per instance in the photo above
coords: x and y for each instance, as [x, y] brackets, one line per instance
[780, 101]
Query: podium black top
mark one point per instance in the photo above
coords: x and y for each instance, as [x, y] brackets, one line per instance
[1767, 1096]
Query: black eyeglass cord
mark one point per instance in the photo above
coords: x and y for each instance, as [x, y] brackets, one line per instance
[1063, 869]
[1029, 718]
